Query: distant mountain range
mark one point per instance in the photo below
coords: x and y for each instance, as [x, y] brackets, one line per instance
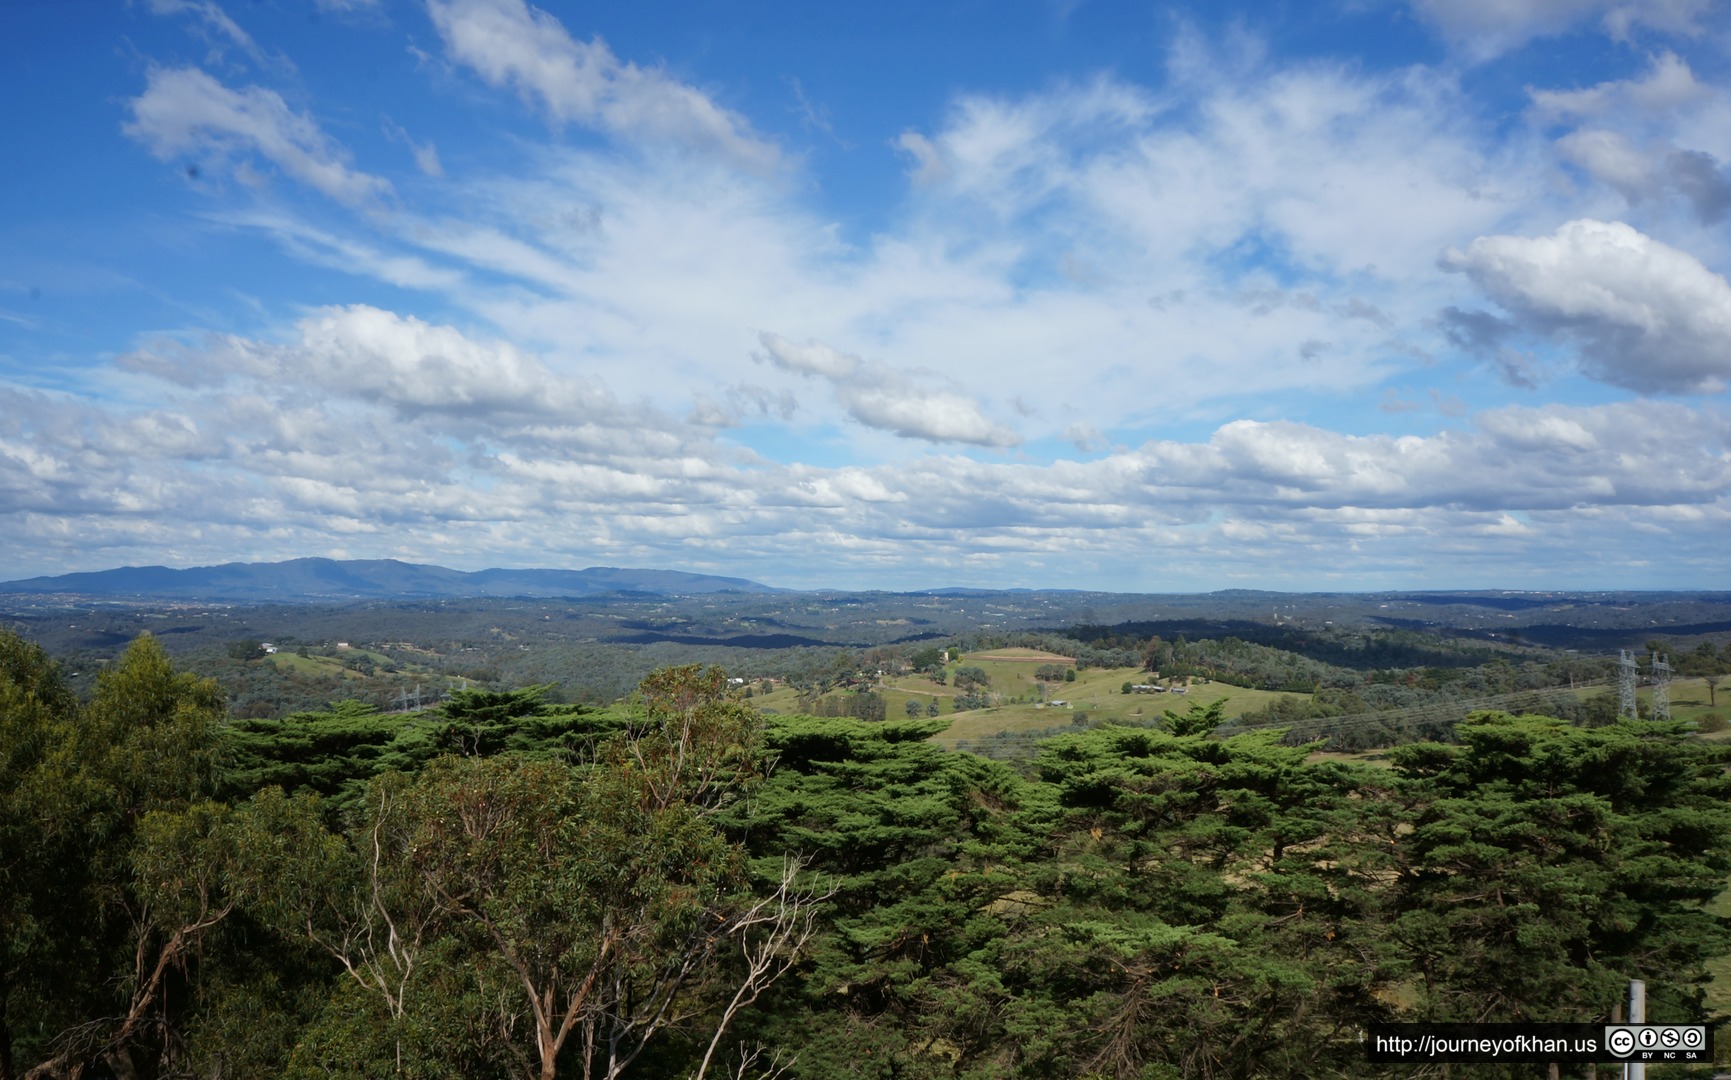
[324, 580]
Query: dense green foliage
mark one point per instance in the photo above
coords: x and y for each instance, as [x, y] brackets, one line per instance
[335, 752]
[511, 887]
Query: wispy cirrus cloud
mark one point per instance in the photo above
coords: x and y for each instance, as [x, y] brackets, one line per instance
[1485, 29]
[220, 29]
[510, 43]
[184, 111]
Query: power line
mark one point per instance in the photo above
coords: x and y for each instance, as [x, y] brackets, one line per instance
[1627, 677]
[1661, 688]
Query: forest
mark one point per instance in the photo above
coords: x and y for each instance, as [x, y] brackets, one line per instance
[679, 886]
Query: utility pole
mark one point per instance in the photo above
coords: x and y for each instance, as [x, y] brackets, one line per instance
[1661, 687]
[1636, 1070]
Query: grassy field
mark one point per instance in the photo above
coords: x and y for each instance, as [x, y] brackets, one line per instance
[1097, 693]
[311, 665]
[1690, 700]
[327, 665]
[1022, 701]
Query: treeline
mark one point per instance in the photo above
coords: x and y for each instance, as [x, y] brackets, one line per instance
[1358, 649]
[680, 887]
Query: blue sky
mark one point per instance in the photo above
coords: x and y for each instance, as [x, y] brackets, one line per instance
[1090, 294]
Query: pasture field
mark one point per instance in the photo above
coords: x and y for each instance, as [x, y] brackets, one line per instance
[1021, 703]
[326, 665]
[1689, 699]
[310, 665]
[1021, 700]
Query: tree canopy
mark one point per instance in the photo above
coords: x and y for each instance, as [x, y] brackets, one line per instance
[681, 887]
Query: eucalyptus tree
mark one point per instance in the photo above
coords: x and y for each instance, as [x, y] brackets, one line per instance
[114, 860]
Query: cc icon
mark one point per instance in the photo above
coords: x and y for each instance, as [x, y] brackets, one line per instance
[1620, 1041]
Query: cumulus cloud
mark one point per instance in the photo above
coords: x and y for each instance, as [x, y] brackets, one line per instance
[1489, 28]
[936, 416]
[881, 397]
[1643, 315]
[184, 111]
[380, 356]
[811, 358]
[509, 43]
[361, 421]
[284, 465]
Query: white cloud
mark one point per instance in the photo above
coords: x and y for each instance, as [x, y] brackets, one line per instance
[427, 159]
[1085, 438]
[293, 449]
[1612, 160]
[426, 154]
[1634, 136]
[379, 356]
[1256, 240]
[1643, 315]
[343, 253]
[937, 416]
[509, 43]
[929, 167]
[1009, 155]
[217, 22]
[1348, 186]
[1669, 85]
[1093, 247]
[882, 397]
[1489, 28]
[811, 358]
[185, 111]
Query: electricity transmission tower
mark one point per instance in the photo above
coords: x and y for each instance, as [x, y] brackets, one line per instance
[1627, 676]
[1661, 688]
